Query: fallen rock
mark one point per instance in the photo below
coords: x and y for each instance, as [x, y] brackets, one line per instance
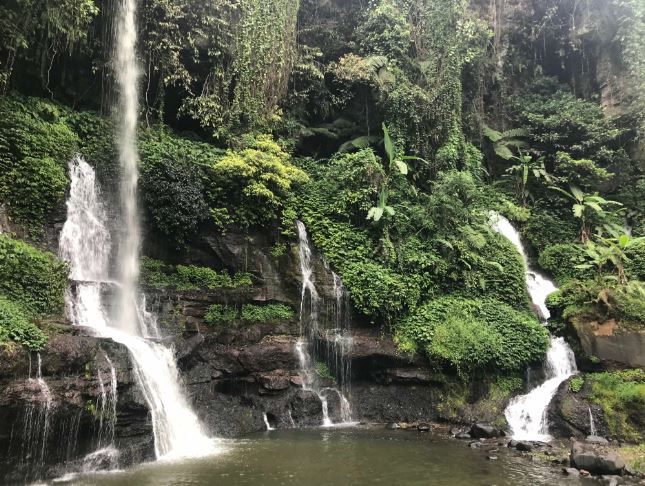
[454, 431]
[596, 459]
[483, 431]
[423, 427]
[463, 435]
[475, 445]
[570, 471]
[512, 443]
[392, 426]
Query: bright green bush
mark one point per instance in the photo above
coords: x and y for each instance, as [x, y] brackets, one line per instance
[576, 384]
[621, 394]
[157, 274]
[264, 313]
[15, 326]
[218, 314]
[635, 268]
[249, 187]
[470, 334]
[33, 278]
[560, 261]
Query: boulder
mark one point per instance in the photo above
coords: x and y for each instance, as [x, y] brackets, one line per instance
[596, 459]
[524, 446]
[463, 435]
[483, 431]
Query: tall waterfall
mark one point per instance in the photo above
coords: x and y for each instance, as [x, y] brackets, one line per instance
[329, 345]
[127, 76]
[85, 243]
[527, 414]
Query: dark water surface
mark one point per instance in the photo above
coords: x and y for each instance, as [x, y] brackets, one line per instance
[343, 457]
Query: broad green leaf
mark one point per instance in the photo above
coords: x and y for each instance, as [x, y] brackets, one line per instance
[389, 146]
[378, 213]
[596, 207]
[577, 210]
[623, 240]
[503, 152]
[389, 210]
[403, 167]
[577, 193]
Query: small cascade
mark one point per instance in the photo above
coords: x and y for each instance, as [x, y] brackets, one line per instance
[106, 407]
[592, 424]
[266, 422]
[86, 245]
[330, 343]
[527, 414]
[36, 426]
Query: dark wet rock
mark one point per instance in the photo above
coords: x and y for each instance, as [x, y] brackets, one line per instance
[524, 446]
[71, 365]
[568, 413]
[611, 480]
[570, 471]
[596, 459]
[423, 427]
[483, 431]
[475, 444]
[272, 353]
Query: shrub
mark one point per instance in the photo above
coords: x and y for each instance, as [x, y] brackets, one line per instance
[35, 144]
[157, 274]
[33, 278]
[32, 188]
[471, 334]
[266, 313]
[15, 326]
[545, 229]
[249, 187]
[576, 384]
[621, 394]
[219, 314]
[561, 260]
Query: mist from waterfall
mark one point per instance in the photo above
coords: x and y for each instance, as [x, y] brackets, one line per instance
[527, 414]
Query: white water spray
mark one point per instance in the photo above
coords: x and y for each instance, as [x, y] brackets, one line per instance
[527, 414]
[266, 422]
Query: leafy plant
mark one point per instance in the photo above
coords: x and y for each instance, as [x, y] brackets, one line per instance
[34, 279]
[576, 383]
[266, 313]
[584, 205]
[157, 274]
[217, 314]
[15, 326]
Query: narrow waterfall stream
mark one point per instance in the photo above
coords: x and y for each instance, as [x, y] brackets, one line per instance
[85, 243]
[329, 345]
[527, 414]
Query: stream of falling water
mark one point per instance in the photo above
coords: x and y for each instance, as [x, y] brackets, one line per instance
[527, 414]
[323, 346]
[86, 244]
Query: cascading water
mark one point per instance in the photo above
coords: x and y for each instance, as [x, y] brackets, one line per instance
[86, 245]
[592, 424]
[527, 414]
[330, 345]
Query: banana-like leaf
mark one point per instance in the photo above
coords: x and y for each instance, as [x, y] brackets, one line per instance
[492, 135]
[525, 175]
[503, 151]
[389, 210]
[577, 193]
[596, 207]
[623, 241]
[577, 210]
[389, 145]
[403, 167]
[359, 143]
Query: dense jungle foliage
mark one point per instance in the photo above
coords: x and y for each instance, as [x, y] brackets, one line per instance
[391, 128]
